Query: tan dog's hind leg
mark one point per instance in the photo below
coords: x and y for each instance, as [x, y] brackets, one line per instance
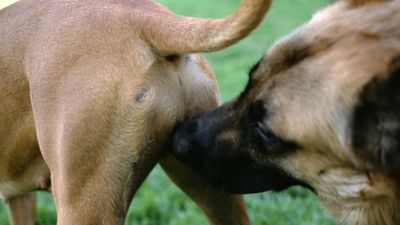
[95, 185]
[93, 176]
[220, 208]
[22, 209]
[91, 138]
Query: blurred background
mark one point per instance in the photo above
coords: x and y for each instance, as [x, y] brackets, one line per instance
[158, 201]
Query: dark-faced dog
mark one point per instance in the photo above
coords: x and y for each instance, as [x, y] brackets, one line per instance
[322, 110]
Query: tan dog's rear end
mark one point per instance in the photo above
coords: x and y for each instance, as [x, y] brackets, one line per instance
[89, 92]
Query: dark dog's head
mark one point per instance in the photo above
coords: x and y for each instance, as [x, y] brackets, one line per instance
[321, 109]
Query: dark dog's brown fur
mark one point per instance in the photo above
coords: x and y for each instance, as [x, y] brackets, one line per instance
[321, 110]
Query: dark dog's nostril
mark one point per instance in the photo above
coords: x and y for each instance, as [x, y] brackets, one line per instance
[181, 143]
[181, 147]
[184, 140]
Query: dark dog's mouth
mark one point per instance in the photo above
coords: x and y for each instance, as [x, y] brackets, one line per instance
[254, 180]
[245, 184]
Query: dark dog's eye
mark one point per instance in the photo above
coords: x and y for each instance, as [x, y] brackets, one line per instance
[264, 138]
[256, 115]
[259, 131]
[262, 133]
[257, 111]
[269, 142]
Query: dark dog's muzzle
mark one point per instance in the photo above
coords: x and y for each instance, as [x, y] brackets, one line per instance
[228, 169]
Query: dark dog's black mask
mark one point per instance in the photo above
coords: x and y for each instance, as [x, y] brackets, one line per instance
[218, 150]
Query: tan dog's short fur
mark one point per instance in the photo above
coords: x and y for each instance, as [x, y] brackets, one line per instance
[321, 110]
[90, 91]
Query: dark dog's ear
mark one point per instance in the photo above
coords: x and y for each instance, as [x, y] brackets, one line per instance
[376, 128]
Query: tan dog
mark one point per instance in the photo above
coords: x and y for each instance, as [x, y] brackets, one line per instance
[322, 110]
[89, 92]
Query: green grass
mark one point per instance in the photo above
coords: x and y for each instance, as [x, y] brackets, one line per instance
[159, 202]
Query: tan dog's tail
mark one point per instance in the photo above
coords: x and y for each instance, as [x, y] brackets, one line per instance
[171, 34]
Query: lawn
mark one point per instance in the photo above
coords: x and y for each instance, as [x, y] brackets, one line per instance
[158, 201]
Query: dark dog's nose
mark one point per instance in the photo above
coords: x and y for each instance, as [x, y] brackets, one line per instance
[184, 138]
